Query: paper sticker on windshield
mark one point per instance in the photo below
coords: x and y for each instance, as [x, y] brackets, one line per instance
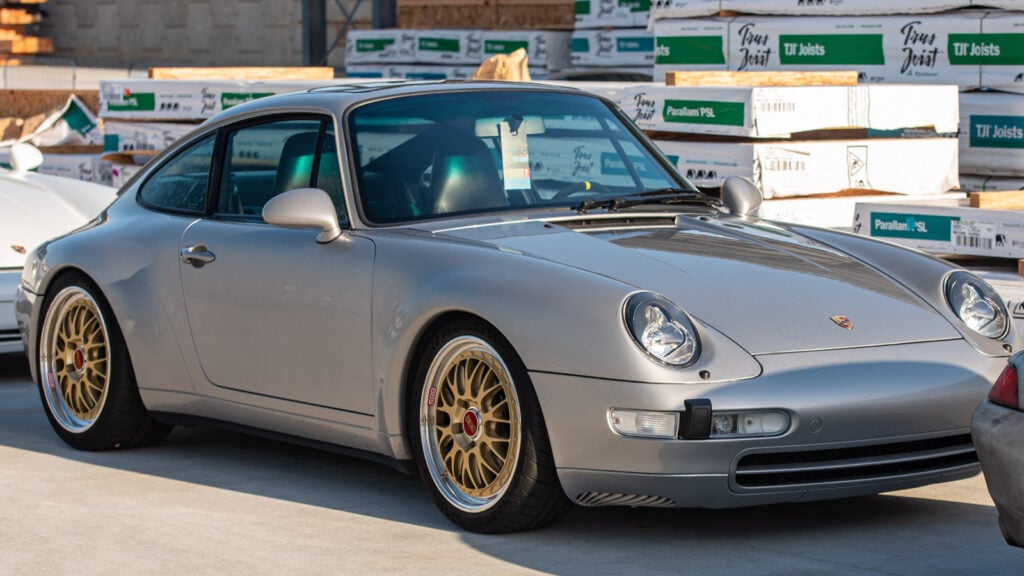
[515, 157]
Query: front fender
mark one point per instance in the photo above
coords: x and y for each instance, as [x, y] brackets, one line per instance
[919, 272]
[559, 319]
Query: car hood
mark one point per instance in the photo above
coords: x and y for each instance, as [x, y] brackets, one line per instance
[35, 208]
[766, 287]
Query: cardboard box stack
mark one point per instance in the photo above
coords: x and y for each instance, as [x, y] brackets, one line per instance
[612, 35]
[992, 141]
[439, 39]
[19, 30]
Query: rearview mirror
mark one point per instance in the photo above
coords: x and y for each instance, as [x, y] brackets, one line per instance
[489, 127]
[304, 208]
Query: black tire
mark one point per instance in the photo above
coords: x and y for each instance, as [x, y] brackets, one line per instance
[86, 379]
[457, 459]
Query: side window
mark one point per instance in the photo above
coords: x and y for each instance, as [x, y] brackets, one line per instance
[328, 174]
[263, 161]
[180, 185]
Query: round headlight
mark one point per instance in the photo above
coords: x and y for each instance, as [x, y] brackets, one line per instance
[977, 304]
[661, 329]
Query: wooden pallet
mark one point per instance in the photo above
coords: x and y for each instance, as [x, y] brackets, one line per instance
[761, 78]
[24, 45]
[998, 200]
[19, 17]
[243, 73]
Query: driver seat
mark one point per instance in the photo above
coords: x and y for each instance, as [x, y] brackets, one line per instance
[464, 177]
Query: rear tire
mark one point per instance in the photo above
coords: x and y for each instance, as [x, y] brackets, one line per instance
[86, 379]
[478, 433]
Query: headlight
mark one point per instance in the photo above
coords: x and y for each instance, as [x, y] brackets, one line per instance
[976, 304]
[661, 329]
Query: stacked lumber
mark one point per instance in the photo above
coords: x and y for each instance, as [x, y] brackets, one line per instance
[800, 134]
[439, 39]
[612, 36]
[449, 53]
[487, 14]
[987, 225]
[19, 23]
[971, 43]
[142, 117]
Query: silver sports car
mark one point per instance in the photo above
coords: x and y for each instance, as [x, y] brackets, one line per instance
[508, 288]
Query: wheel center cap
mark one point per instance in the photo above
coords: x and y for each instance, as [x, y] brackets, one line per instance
[78, 360]
[471, 423]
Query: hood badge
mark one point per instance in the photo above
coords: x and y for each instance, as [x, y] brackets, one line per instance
[18, 248]
[842, 322]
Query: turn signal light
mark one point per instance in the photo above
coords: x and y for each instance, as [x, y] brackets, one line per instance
[644, 423]
[1006, 392]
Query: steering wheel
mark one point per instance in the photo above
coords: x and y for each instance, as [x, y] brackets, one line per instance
[581, 187]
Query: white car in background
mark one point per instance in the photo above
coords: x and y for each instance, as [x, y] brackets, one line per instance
[34, 208]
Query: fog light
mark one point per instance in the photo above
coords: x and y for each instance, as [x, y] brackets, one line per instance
[748, 424]
[644, 424]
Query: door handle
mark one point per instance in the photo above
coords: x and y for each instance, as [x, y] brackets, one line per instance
[197, 255]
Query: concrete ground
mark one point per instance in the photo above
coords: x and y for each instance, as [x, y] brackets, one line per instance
[213, 502]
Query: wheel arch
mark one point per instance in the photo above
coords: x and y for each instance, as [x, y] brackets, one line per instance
[418, 348]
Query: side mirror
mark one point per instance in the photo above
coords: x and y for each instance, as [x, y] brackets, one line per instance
[741, 196]
[304, 208]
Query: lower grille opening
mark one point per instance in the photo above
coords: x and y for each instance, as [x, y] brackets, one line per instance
[609, 499]
[9, 335]
[859, 463]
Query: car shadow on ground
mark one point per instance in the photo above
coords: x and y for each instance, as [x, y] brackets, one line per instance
[860, 535]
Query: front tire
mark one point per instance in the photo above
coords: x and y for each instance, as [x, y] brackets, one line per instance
[86, 378]
[479, 435]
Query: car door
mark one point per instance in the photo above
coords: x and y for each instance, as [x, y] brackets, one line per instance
[271, 311]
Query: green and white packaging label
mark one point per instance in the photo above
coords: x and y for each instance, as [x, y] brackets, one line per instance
[969, 48]
[777, 112]
[623, 47]
[913, 166]
[943, 229]
[612, 13]
[992, 134]
[380, 46]
[72, 125]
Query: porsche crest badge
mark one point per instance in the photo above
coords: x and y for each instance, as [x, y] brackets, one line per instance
[18, 248]
[842, 322]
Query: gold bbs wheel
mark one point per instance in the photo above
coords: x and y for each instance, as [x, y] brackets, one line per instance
[74, 359]
[470, 425]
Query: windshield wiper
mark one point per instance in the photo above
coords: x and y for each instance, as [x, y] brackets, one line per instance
[659, 196]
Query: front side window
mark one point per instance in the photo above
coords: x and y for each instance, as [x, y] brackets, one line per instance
[181, 184]
[264, 160]
[435, 155]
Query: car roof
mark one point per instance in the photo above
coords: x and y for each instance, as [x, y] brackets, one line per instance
[339, 97]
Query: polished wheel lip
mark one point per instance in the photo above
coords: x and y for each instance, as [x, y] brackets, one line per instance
[452, 355]
[70, 367]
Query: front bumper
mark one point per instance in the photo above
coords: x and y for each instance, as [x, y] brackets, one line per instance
[864, 421]
[10, 338]
[997, 432]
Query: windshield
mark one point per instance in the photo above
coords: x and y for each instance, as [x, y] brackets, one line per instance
[453, 153]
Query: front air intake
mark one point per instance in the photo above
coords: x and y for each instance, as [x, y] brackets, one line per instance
[878, 461]
[593, 499]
